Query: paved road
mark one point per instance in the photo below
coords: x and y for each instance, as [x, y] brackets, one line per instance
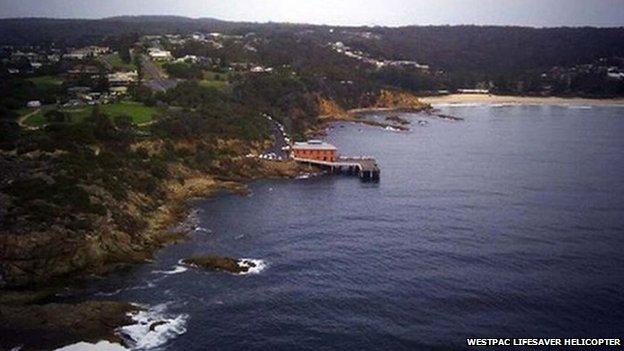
[155, 78]
[280, 140]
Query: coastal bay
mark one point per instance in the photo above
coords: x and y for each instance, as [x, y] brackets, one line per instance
[436, 252]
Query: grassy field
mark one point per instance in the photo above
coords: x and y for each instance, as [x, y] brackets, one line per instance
[46, 82]
[219, 84]
[115, 61]
[214, 80]
[138, 112]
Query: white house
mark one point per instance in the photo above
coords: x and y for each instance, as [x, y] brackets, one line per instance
[33, 104]
[122, 78]
[260, 69]
[159, 55]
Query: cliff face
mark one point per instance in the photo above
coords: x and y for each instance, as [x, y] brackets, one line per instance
[330, 110]
[397, 100]
[383, 99]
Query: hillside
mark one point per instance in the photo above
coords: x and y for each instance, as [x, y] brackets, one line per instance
[511, 60]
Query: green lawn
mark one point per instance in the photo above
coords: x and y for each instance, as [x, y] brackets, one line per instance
[46, 82]
[138, 112]
[213, 83]
[35, 120]
[210, 75]
[115, 61]
[210, 80]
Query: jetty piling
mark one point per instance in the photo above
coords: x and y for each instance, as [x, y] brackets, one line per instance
[365, 168]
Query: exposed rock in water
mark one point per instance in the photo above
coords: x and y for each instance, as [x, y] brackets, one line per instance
[156, 324]
[227, 264]
[449, 117]
[397, 119]
[45, 327]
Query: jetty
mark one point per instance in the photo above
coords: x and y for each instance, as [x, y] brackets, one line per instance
[323, 155]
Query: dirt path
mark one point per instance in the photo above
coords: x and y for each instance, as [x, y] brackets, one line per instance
[22, 119]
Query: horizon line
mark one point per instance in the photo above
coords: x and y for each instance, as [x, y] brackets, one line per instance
[310, 24]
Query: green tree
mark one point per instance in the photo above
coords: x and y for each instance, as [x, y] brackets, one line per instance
[103, 127]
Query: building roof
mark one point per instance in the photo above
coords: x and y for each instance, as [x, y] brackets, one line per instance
[314, 145]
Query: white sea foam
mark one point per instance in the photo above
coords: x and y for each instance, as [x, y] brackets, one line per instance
[392, 129]
[509, 104]
[153, 328]
[579, 107]
[99, 346]
[111, 293]
[203, 230]
[175, 270]
[260, 265]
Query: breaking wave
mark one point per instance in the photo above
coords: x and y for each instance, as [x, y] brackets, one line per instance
[392, 129]
[203, 230]
[175, 270]
[257, 267]
[153, 328]
[99, 346]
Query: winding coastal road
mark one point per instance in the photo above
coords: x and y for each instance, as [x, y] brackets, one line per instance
[280, 141]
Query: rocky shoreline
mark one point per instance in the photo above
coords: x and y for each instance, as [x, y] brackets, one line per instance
[36, 325]
[49, 326]
[36, 265]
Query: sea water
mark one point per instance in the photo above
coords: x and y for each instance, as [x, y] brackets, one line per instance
[509, 224]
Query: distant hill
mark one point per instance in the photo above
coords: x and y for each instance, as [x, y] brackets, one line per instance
[471, 53]
[163, 19]
[41, 31]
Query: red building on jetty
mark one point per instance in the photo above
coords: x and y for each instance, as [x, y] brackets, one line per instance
[315, 150]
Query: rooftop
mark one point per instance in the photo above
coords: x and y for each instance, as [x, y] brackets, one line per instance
[314, 145]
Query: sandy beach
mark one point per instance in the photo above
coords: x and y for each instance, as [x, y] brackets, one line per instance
[528, 100]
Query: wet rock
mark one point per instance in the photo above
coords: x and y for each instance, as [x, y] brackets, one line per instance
[50, 326]
[227, 264]
[154, 325]
[397, 119]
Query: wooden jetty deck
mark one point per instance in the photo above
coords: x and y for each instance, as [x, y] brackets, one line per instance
[364, 167]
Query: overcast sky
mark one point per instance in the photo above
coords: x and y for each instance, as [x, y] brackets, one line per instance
[537, 13]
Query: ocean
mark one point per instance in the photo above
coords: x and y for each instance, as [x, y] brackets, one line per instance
[509, 224]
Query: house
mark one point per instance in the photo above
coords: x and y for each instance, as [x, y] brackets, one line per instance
[188, 59]
[82, 53]
[315, 150]
[119, 79]
[33, 104]
[198, 36]
[118, 91]
[78, 92]
[84, 70]
[159, 54]
[260, 69]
